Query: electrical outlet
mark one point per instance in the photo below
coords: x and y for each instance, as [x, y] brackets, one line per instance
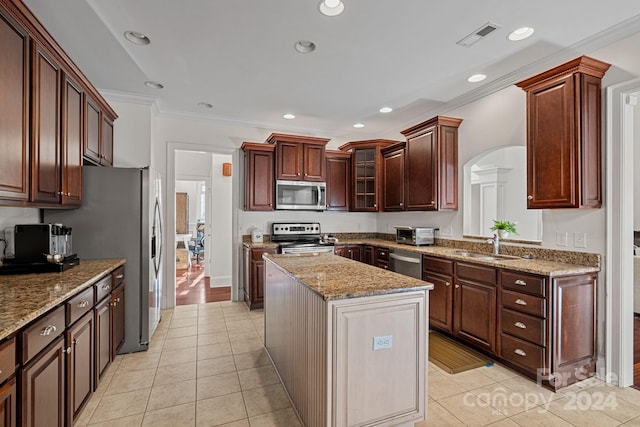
[382, 342]
[580, 240]
[562, 238]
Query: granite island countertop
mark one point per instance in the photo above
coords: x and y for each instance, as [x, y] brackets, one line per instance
[25, 297]
[334, 277]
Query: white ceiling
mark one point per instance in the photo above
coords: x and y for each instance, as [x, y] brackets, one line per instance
[238, 54]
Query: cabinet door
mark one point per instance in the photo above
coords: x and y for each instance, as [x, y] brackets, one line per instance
[365, 182]
[43, 388]
[551, 147]
[355, 252]
[80, 366]
[8, 404]
[475, 313]
[92, 127]
[257, 277]
[393, 166]
[338, 183]
[106, 143]
[45, 127]
[72, 140]
[246, 274]
[447, 168]
[102, 337]
[14, 111]
[258, 180]
[440, 301]
[117, 326]
[369, 255]
[314, 162]
[289, 161]
[341, 250]
[422, 172]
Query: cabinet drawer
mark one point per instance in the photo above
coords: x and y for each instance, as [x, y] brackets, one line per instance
[382, 254]
[7, 359]
[524, 303]
[118, 276]
[437, 265]
[524, 326]
[476, 273]
[79, 305]
[523, 353]
[42, 333]
[103, 287]
[521, 282]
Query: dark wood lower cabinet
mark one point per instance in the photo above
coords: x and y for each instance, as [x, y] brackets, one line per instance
[80, 367]
[117, 328]
[254, 276]
[369, 255]
[440, 301]
[8, 398]
[102, 314]
[475, 313]
[353, 252]
[43, 388]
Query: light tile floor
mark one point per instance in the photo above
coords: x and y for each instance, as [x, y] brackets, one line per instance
[206, 367]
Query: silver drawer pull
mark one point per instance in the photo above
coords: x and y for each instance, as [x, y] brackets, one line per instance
[106, 287]
[83, 303]
[120, 276]
[520, 325]
[48, 330]
[521, 302]
[521, 282]
[520, 352]
[67, 350]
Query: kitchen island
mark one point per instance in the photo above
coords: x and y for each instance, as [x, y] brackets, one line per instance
[349, 341]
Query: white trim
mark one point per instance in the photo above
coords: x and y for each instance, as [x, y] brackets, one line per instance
[170, 267]
[619, 256]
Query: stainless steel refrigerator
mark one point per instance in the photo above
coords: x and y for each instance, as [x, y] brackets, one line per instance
[121, 217]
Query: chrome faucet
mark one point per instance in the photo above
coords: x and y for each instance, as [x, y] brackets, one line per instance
[495, 241]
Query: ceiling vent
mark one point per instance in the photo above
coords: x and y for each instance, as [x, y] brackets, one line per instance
[478, 34]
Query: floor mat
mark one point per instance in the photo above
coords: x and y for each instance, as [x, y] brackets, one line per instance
[452, 356]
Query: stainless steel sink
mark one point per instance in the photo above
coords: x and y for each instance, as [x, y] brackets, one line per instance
[485, 257]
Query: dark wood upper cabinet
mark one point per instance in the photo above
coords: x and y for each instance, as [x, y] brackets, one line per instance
[366, 173]
[92, 138]
[258, 176]
[393, 177]
[432, 165]
[338, 180]
[72, 137]
[14, 111]
[564, 147]
[107, 142]
[299, 158]
[45, 127]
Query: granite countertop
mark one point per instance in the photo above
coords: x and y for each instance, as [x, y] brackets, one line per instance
[252, 245]
[25, 297]
[334, 277]
[567, 263]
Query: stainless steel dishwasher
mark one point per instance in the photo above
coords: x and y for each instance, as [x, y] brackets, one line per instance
[407, 263]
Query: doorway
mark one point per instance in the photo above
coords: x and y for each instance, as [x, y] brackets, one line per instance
[202, 272]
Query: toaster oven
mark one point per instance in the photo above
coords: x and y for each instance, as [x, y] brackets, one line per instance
[416, 236]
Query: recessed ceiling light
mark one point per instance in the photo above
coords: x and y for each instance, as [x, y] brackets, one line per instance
[289, 116]
[358, 126]
[153, 85]
[520, 34]
[204, 105]
[476, 78]
[386, 110]
[331, 7]
[304, 46]
[137, 38]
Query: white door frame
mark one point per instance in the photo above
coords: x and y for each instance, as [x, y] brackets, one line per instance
[619, 256]
[170, 214]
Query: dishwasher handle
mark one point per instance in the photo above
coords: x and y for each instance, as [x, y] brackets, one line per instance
[404, 258]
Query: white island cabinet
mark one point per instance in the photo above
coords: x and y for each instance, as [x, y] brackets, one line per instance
[348, 340]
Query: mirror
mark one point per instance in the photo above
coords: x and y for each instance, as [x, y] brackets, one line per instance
[495, 187]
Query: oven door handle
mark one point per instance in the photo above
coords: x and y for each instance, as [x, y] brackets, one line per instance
[405, 258]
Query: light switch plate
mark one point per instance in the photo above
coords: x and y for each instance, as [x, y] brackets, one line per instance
[562, 238]
[579, 240]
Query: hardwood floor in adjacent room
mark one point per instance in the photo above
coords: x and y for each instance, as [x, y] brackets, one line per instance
[192, 287]
[636, 351]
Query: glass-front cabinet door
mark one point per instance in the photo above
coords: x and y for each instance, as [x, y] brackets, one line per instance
[365, 194]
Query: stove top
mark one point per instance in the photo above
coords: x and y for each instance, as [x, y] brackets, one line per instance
[295, 231]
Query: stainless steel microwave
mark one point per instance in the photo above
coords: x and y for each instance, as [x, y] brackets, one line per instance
[301, 195]
[416, 236]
